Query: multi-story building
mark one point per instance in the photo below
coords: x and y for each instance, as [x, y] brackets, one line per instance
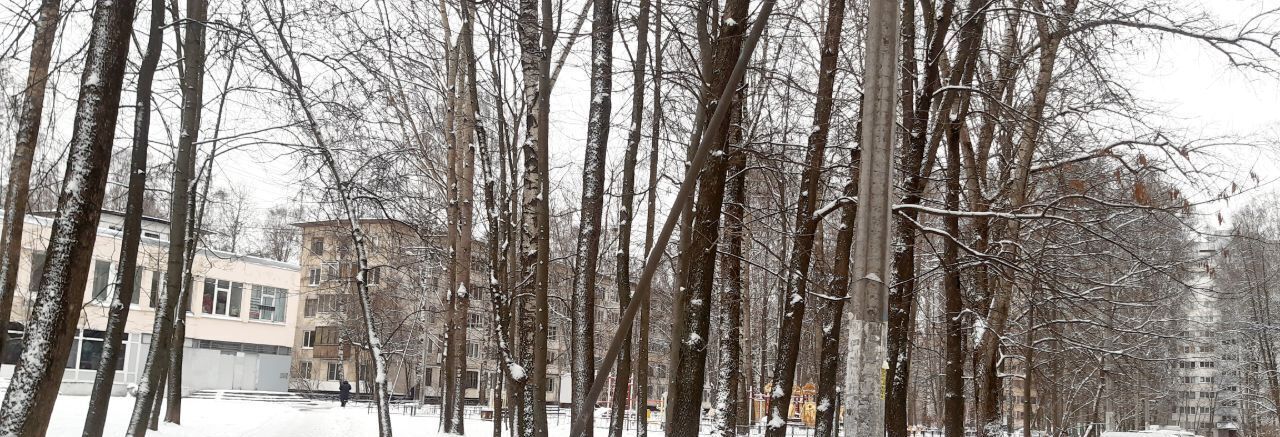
[409, 290]
[239, 325]
[1205, 387]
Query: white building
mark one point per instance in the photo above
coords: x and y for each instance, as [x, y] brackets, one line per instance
[1205, 402]
[240, 321]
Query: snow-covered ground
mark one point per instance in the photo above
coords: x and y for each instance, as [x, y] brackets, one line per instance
[221, 418]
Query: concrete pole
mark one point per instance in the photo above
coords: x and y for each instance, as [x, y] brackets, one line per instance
[868, 317]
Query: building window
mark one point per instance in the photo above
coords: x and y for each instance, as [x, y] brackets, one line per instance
[313, 276]
[86, 351]
[373, 276]
[304, 369]
[157, 286]
[331, 303]
[309, 307]
[37, 270]
[473, 350]
[268, 303]
[136, 296]
[553, 334]
[317, 246]
[222, 297]
[335, 372]
[331, 271]
[326, 335]
[551, 385]
[474, 321]
[471, 379]
[12, 348]
[364, 372]
[101, 280]
[427, 375]
[308, 339]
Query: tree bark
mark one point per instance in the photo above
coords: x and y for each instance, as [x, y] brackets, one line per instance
[655, 127]
[126, 272]
[806, 222]
[33, 389]
[464, 181]
[623, 261]
[729, 315]
[582, 337]
[16, 190]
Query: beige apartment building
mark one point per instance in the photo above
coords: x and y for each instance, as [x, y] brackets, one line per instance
[240, 322]
[409, 293]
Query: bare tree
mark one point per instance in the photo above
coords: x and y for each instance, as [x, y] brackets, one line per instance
[33, 389]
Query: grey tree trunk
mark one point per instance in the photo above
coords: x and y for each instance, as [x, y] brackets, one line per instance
[30, 115]
[33, 388]
[126, 272]
[464, 180]
[655, 127]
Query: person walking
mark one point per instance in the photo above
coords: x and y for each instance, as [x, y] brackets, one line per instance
[344, 392]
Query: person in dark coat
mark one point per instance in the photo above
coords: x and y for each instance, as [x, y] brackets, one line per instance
[344, 392]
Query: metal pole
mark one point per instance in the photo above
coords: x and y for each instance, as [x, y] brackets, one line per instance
[868, 317]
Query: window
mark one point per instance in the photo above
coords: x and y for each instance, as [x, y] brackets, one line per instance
[1206, 379]
[474, 321]
[309, 307]
[1207, 395]
[308, 339]
[313, 276]
[12, 348]
[551, 385]
[101, 280]
[268, 303]
[304, 369]
[136, 297]
[317, 246]
[373, 276]
[86, 351]
[473, 350]
[428, 377]
[37, 269]
[331, 271]
[222, 297]
[471, 379]
[157, 285]
[331, 303]
[364, 372]
[553, 334]
[326, 335]
[335, 372]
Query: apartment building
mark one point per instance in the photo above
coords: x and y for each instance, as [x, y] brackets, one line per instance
[1207, 385]
[239, 324]
[409, 288]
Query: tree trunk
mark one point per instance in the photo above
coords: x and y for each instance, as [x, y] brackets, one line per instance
[806, 222]
[688, 371]
[16, 190]
[655, 127]
[623, 262]
[33, 389]
[464, 180]
[582, 337]
[126, 273]
[535, 44]
[729, 315]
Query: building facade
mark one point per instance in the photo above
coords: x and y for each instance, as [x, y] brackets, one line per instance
[239, 321]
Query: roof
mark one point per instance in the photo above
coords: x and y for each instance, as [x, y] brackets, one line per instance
[343, 222]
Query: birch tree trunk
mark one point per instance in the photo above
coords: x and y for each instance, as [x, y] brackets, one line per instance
[126, 272]
[29, 117]
[33, 388]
